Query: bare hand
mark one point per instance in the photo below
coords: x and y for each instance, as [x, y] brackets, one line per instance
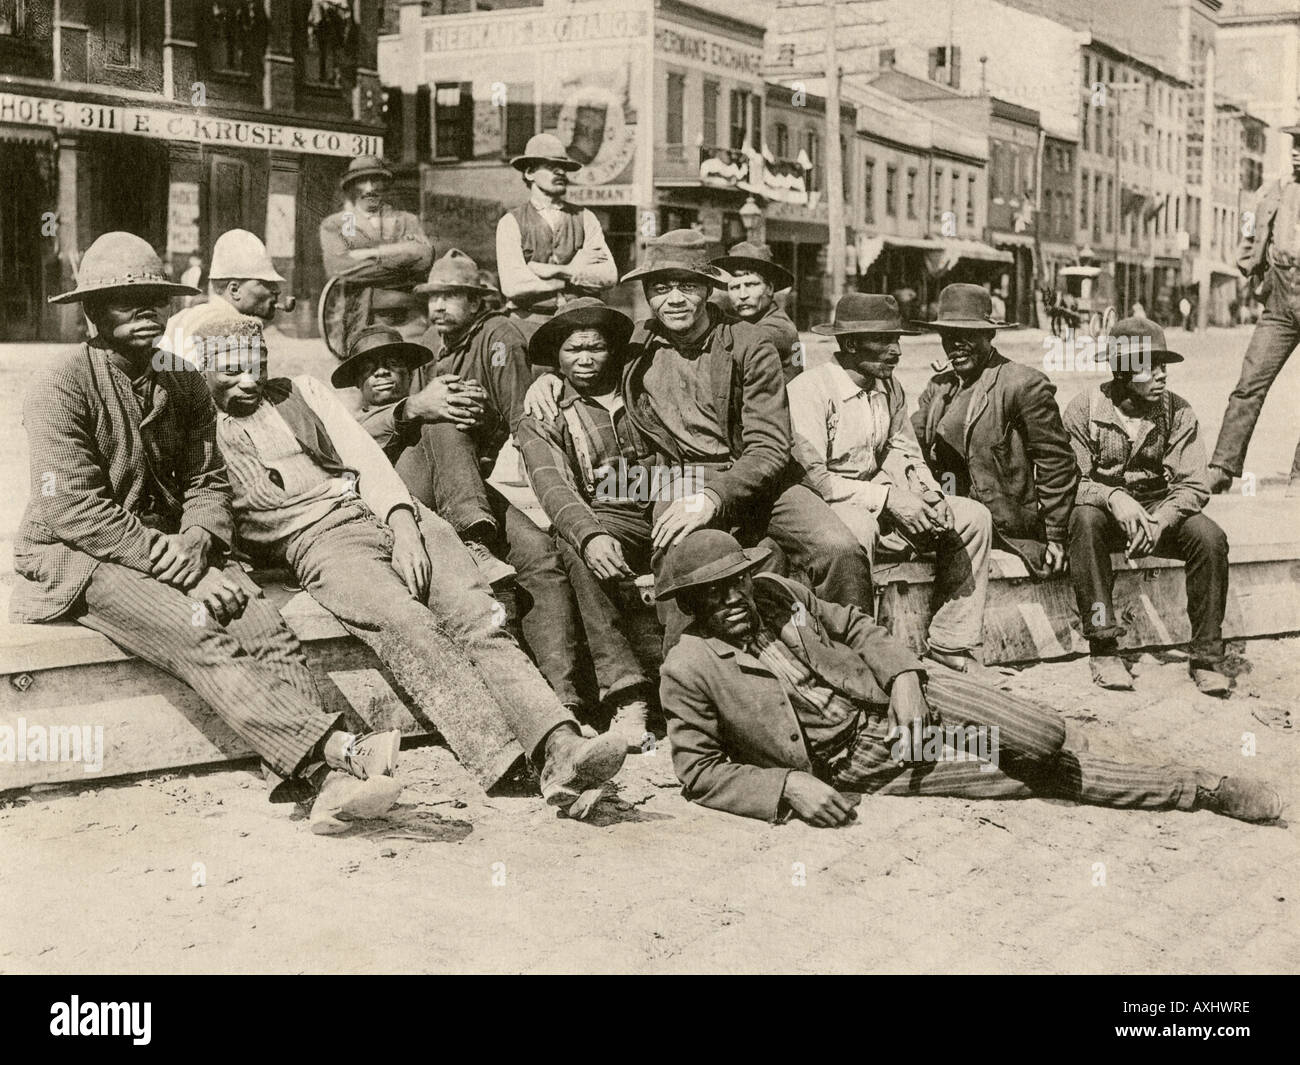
[411, 561]
[911, 512]
[1140, 528]
[817, 802]
[681, 517]
[944, 514]
[542, 400]
[907, 706]
[1054, 557]
[180, 559]
[604, 557]
[220, 595]
[447, 398]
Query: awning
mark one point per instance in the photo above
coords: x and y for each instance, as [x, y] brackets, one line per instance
[956, 248]
[1018, 240]
[15, 134]
[922, 243]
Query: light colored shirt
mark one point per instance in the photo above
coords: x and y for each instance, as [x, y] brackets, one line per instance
[853, 445]
[262, 443]
[517, 277]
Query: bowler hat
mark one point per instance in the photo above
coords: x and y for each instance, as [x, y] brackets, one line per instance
[1136, 338]
[364, 166]
[705, 556]
[544, 149]
[863, 312]
[586, 312]
[239, 254]
[120, 260]
[679, 251]
[966, 307]
[372, 342]
[454, 272]
[747, 258]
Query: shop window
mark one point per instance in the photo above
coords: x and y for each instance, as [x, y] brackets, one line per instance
[13, 18]
[234, 36]
[453, 120]
[122, 33]
[329, 42]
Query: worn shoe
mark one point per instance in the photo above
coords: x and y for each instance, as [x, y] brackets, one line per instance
[373, 755]
[1209, 681]
[491, 568]
[1110, 672]
[1220, 480]
[630, 723]
[575, 765]
[343, 798]
[1246, 800]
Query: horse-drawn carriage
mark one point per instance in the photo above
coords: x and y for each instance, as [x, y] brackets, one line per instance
[1093, 290]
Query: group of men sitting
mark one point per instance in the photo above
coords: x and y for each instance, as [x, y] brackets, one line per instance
[694, 446]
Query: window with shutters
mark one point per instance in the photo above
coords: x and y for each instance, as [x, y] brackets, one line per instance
[122, 33]
[453, 120]
[869, 190]
[782, 147]
[710, 112]
[911, 192]
[891, 191]
[945, 65]
[674, 112]
[739, 118]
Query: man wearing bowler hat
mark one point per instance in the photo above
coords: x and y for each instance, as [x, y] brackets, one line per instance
[1143, 489]
[990, 429]
[780, 705]
[314, 492]
[128, 531]
[853, 436]
[549, 250]
[753, 280]
[1269, 255]
[377, 250]
[596, 477]
[709, 394]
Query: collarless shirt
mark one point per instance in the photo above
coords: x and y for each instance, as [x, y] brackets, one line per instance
[680, 389]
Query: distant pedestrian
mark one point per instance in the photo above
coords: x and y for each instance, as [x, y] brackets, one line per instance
[1185, 311]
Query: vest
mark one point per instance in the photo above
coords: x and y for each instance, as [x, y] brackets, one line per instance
[1284, 249]
[539, 244]
[307, 428]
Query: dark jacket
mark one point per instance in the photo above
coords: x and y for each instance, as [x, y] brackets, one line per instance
[104, 482]
[1019, 461]
[779, 328]
[734, 735]
[749, 388]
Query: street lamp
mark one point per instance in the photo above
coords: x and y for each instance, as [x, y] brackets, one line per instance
[751, 217]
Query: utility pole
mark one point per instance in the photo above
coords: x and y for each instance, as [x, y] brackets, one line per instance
[834, 160]
[1203, 267]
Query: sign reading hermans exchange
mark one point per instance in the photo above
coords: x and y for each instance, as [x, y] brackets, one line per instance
[183, 126]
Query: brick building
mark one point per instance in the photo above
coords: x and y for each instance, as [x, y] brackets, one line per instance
[175, 121]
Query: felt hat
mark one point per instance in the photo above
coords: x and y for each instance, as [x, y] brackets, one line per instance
[964, 306]
[586, 312]
[747, 258]
[120, 260]
[1134, 339]
[364, 166]
[679, 251]
[454, 272]
[702, 557]
[544, 149]
[370, 343]
[863, 312]
[240, 254]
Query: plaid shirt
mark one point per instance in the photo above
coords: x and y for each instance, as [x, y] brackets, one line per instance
[105, 481]
[556, 470]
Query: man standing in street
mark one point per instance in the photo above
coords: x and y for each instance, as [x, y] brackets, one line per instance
[549, 250]
[753, 281]
[852, 435]
[1269, 254]
[128, 531]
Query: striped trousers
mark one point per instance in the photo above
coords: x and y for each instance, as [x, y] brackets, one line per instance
[1031, 760]
[251, 671]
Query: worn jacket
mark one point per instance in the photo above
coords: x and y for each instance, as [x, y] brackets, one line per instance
[1164, 469]
[734, 735]
[566, 477]
[98, 469]
[1019, 461]
[748, 387]
[1253, 258]
[407, 252]
[780, 330]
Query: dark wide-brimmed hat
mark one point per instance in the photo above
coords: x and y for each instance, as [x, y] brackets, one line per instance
[1132, 336]
[1293, 130]
[544, 149]
[364, 166]
[679, 251]
[862, 312]
[705, 556]
[966, 307]
[371, 343]
[586, 312]
[454, 272]
[747, 258]
[120, 260]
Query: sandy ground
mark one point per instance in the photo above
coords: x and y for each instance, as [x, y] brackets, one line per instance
[197, 873]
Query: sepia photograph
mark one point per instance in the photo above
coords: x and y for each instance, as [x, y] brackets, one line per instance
[650, 487]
